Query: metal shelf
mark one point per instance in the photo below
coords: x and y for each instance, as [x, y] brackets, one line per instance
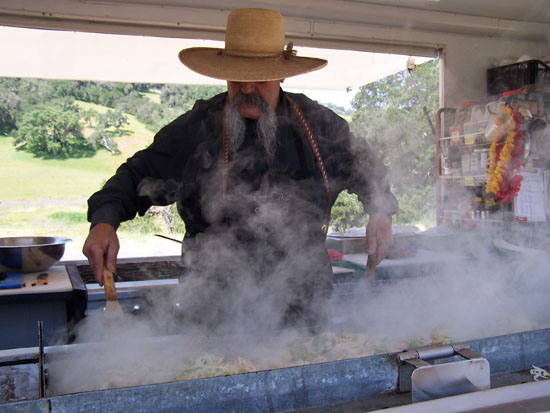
[472, 180]
[445, 138]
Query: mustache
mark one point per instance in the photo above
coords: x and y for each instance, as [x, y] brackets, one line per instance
[250, 99]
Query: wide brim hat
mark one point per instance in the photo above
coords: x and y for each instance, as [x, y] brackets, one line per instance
[254, 50]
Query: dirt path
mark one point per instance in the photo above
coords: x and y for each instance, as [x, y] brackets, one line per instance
[29, 203]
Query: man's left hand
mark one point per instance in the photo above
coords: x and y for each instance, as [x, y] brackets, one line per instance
[379, 237]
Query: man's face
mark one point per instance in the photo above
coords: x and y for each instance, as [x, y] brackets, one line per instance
[268, 91]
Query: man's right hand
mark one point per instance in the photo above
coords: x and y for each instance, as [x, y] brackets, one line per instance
[101, 248]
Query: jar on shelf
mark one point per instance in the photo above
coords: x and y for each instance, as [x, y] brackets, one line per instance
[491, 206]
[465, 161]
[475, 162]
[483, 160]
[454, 132]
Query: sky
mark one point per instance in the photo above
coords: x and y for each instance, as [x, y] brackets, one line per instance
[337, 97]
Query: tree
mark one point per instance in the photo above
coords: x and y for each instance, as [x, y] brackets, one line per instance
[103, 135]
[347, 212]
[388, 113]
[185, 96]
[9, 105]
[340, 110]
[53, 130]
[89, 116]
[116, 119]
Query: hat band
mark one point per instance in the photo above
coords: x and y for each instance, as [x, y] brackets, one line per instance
[287, 54]
[244, 53]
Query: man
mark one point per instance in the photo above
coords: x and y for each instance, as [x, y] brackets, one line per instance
[255, 172]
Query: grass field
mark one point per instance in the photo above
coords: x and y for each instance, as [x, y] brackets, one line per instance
[26, 177]
[48, 197]
[153, 95]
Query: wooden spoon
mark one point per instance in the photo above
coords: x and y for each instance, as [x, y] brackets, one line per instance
[112, 303]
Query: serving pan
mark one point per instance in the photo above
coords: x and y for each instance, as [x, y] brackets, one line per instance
[30, 254]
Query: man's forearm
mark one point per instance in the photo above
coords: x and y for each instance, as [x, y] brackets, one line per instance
[108, 213]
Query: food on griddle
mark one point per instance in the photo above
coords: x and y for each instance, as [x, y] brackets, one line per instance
[209, 365]
[302, 350]
[441, 337]
[330, 346]
[277, 352]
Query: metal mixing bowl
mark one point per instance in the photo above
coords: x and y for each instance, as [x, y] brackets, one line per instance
[30, 254]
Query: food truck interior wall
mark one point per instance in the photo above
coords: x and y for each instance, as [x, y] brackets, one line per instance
[467, 35]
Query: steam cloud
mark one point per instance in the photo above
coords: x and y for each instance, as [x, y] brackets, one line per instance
[481, 296]
[474, 291]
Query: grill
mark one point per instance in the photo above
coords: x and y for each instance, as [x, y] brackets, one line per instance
[134, 271]
[135, 277]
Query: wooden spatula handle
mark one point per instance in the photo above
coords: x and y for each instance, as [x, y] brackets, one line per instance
[109, 284]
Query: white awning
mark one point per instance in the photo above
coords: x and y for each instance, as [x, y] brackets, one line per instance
[53, 54]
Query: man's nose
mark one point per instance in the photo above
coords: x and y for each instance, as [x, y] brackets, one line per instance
[248, 87]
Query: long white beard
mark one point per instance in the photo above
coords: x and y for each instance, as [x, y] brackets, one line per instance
[266, 126]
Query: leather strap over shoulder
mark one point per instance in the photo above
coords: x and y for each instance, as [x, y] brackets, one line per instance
[315, 148]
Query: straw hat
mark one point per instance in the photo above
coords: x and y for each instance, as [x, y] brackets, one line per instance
[254, 50]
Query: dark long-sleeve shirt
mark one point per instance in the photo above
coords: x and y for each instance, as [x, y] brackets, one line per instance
[265, 229]
[183, 164]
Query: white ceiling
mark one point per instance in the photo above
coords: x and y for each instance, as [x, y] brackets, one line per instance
[522, 10]
[317, 20]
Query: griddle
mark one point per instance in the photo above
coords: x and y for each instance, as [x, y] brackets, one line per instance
[372, 380]
[132, 271]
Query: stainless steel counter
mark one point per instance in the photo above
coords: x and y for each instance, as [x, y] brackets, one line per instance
[56, 303]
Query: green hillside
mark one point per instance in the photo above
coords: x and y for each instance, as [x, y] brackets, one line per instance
[48, 196]
[45, 187]
[26, 177]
